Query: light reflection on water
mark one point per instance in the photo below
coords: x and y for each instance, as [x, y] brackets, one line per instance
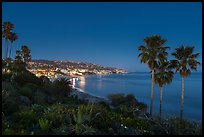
[82, 83]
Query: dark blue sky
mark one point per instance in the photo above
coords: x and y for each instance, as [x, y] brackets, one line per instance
[102, 33]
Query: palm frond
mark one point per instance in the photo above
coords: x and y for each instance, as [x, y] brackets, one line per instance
[185, 60]
[194, 55]
[142, 48]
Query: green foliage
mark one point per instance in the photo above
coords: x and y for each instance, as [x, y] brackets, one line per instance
[25, 53]
[33, 79]
[182, 127]
[6, 76]
[9, 87]
[6, 34]
[26, 91]
[45, 79]
[10, 105]
[73, 102]
[44, 124]
[126, 103]
[18, 66]
[102, 104]
[5, 125]
[135, 122]
[153, 50]
[142, 106]
[61, 87]
[163, 73]
[22, 57]
[39, 98]
[32, 86]
[116, 99]
[10, 102]
[185, 60]
[124, 110]
[3, 63]
[89, 119]
[82, 117]
[105, 119]
[120, 98]
[39, 109]
[62, 130]
[26, 119]
[58, 114]
[27, 77]
[8, 131]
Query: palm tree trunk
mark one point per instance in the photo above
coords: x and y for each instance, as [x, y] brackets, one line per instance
[7, 51]
[182, 98]
[6, 48]
[152, 93]
[160, 108]
[6, 54]
[10, 50]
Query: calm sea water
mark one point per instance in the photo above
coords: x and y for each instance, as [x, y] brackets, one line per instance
[139, 84]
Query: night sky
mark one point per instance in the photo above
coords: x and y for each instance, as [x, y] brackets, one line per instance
[102, 33]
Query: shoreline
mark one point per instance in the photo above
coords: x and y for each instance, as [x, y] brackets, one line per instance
[102, 74]
[82, 95]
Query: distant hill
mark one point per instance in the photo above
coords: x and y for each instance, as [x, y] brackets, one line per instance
[73, 64]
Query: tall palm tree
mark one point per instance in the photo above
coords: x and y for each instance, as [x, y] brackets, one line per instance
[7, 27]
[150, 53]
[6, 36]
[185, 62]
[13, 37]
[163, 76]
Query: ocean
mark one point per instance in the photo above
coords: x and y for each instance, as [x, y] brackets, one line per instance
[139, 84]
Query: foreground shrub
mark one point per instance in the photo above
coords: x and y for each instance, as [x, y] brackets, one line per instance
[136, 123]
[26, 91]
[104, 119]
[39, 109]
[10, 102]
[39, 98]
[61, 87]
[117, 99]
[58, 114]
[82, 117]
[32, 86]
[6, 76]
[127, 104]
[5, 126]
[9, 87]
[27, 77]
[120, 98]
[10, 105]
[44, 124]
[26, 119]
[176, 126]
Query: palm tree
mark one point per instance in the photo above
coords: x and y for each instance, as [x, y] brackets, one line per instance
[163, 76]
[18, 57]
[150, 55]
[17, 66]
[13, 37]
[25, 51]
[7, 27]
[185, 62]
